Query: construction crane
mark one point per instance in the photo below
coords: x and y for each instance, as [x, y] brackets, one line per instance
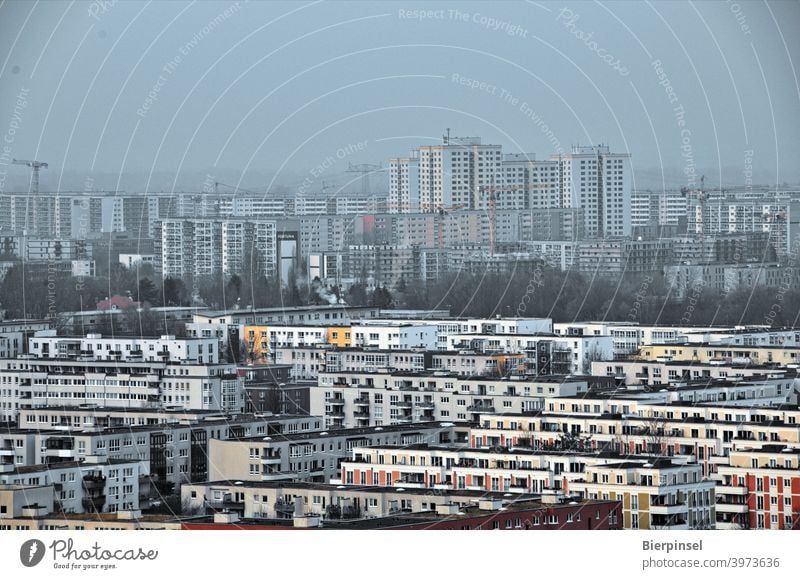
[35, 166]
[365, 169]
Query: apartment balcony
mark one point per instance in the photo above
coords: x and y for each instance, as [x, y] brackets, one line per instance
[336, 402]
[426, 405]
[671, 523]
[94, 502]
[739, 491]
[361, 413]
[6, 452]
[336, 414]
[94, 482]
[361, 401]
[62, 453]
[402, 404]
[729, 526]
[410, 485]
[732, 508]
[271, 458]
[225, 504]
[668, 509]
[405, 419]
[277, 475]
[480, 408]
[59, 442]
[284, 507]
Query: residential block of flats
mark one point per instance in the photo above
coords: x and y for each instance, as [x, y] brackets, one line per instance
[313, 456]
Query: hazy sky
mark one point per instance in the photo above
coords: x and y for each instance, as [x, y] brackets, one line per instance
[162, 94]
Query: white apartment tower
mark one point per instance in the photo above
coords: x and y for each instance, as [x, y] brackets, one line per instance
[452, 175]
[598, 182]
[462, 173]
[528, 184]
[207, 247]
[404, 184]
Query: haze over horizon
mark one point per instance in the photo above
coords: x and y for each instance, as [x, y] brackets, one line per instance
[161, 96]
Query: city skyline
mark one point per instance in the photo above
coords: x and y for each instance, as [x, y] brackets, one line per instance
[160, 96]
[327, 265]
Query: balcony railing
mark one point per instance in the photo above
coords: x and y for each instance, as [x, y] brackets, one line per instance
[480, 408]
[93, 482]
[284, 507]
[271, 458]
[94, 503]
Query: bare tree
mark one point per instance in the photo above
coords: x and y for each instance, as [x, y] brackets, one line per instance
[654, 430]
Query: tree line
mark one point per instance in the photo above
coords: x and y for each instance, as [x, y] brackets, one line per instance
[543, 291]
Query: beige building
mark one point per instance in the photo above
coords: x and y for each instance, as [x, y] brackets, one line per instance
[17, 500]
[282, 500]
[381, 398]
[659, 494]
[313, 456]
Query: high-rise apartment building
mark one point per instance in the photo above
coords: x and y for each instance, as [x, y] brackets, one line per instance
[199, 247]
[599, 182]
[462, 173]
[452, 175]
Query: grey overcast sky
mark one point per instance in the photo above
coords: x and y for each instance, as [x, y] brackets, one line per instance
[159, 95]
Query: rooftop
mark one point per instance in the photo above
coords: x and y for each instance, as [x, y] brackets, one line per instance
[67, 464]
[349, 432]
[283, 311]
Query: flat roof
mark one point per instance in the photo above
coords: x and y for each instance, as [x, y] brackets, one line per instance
[721, 346]
[363, 488]
[109, 410]
[770, 448]
[345, 432]
[67, 464]
[651, 462]
[549, 378]
[284, 310]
